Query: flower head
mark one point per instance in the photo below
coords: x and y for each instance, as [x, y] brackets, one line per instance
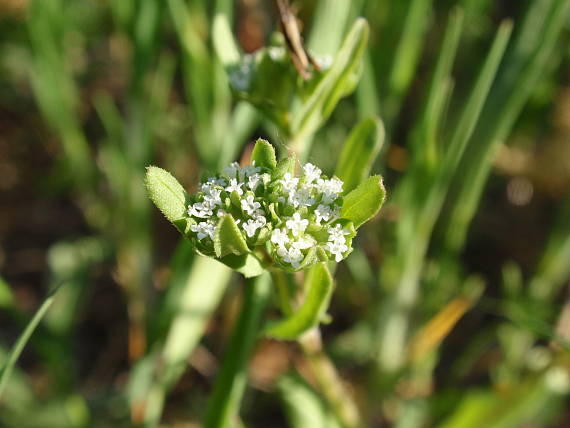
[293, 216]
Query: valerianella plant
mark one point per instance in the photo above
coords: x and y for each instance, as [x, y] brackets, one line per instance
[264, 215]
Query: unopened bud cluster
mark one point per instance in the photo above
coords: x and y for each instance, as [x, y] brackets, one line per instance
[296, 219]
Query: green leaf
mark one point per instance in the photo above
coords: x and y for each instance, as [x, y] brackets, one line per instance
[338, 82]
[246, 264]
[359, 151]
[319, 286]
[364, 202]
[228, 239]
[264, 154]
[166, 193]
[284, 166]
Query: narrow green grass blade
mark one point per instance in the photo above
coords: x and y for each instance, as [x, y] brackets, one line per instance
[6, 296]
[223, 405]
[472, 111]
[408, 50]
[367, 94]
[554, 268]
[23, 339]
[425, 148]
[359, 152]
[514, 84]
[329, 22]
[224, 42]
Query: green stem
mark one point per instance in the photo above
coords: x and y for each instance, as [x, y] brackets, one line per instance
[329, 381]
[223, 405]
[283, 291]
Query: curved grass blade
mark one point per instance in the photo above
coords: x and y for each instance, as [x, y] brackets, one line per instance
[23, 339]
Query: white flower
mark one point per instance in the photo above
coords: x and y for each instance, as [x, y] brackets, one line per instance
[279, 237]
[312, 173]
[323, 212]
[296, 224]
[232, 169]
[212, 198]
[301, 197]
[204, 229]
[251, 227]
[291, 255]
[303, 243]
[249, 205]
[235, 187]
[250, 170]
[260, 218]
[331, 189]
[201, 210]
[253, 181]
[211, 183]
[336, 248]
[336, 234]
[289, 182]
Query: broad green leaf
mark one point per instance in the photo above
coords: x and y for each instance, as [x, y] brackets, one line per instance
[246, 264]
[264, 154]
[364, 202]
[166, 193]
[319, 286]
[338, 82]
[359, 151]
[228, 239]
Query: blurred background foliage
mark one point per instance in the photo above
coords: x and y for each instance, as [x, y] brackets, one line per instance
[452, 311]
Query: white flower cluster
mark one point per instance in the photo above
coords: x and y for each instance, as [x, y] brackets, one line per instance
[214, 196]
[315, 201]
[297, 219]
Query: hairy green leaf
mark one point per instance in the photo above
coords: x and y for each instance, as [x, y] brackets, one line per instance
[166, 193]
[319, 286]
[365, 201]
[359, 151]
[228, 239]
[264, 154]
[246, 264]
[284, 166]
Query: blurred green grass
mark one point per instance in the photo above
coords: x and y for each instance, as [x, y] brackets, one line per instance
[474, 98]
